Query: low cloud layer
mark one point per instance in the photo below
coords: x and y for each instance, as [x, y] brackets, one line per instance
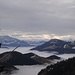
[35, 36]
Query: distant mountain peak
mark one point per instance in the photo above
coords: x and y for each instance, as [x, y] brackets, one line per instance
[57, 45]
[56, 40]
[11, 42]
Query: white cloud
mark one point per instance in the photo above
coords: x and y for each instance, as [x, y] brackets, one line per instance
[36, 36]
[52, 16]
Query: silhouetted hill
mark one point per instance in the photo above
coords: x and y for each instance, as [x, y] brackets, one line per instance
[1, 68]
[17, 58]
[30, 55]
[39, 59]
[53, 57]
[57, 45]
[7, 69]
[61, 68]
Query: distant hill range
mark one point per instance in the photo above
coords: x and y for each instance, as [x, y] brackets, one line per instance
[8, 41]
[36, 42]
[57, 45]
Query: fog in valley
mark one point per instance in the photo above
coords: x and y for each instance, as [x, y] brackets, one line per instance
[33, 69]
[28, 70]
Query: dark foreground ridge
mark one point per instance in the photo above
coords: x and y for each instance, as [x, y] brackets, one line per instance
[8, 60]
[61, 68]
[1, 68]
[53, 57]
[57, 45]
[17, 58]
[7, 69]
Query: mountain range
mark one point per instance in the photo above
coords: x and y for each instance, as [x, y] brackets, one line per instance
[8, 41]
[36, 42]
[57, 45]
[11, 42]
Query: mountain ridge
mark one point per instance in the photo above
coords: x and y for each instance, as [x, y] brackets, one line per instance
[66, 67]
[9, 41]
[17, 58]
[57, 45]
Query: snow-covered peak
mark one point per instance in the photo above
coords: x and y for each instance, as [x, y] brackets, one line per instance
[9, 41]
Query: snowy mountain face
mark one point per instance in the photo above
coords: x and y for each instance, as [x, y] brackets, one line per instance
[8, 41]
[11, 42]
[57, 45]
